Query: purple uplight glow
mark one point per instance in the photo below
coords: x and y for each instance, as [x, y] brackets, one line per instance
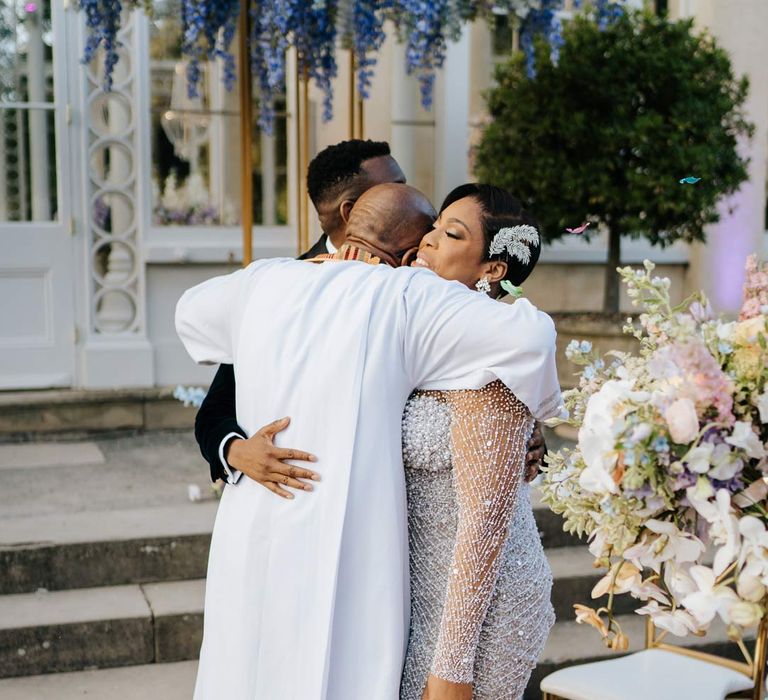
[30, 7]
[738, 234]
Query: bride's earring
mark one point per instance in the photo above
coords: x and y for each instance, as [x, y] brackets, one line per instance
[483, 285]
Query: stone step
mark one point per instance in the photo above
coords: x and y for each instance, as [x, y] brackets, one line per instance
[171, 681]
[26, 415]
[51, 631]
[103, 548]
[75, 630]
[551, 525]
[148, 628]
[94, 548]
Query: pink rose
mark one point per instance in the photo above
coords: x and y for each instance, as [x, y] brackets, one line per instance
[682, 421]
[750, 309]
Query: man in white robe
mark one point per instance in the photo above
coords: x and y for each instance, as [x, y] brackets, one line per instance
[308, 600]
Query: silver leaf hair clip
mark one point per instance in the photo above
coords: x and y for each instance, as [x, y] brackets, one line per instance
[513, 240]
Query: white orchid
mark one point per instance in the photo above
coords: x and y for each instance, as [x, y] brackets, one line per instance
[746, 614]
[749, 584]
[699, 458]
[726, 464]
[745, 438]
[648, 590]
[597, 437]
[678, 622]
[710, 598]
[677, 580]
[724, 526]
[762, 406]
[622, 577]
[754, 540]
[669, 544]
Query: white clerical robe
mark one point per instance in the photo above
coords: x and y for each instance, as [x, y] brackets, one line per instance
[308, 599]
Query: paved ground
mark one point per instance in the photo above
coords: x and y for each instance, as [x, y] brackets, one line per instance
[152, 682]
[141, 471]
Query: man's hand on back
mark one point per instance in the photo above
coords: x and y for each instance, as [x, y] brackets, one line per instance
[259, 459]
[537, 450]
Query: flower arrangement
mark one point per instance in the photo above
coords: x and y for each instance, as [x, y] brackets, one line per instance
[188, 204]
[669, 476]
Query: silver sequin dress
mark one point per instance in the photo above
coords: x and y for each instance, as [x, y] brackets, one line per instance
[480, 583]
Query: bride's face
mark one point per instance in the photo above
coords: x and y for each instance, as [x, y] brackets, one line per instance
[455, 247]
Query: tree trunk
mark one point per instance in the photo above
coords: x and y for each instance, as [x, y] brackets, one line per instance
[611, 298]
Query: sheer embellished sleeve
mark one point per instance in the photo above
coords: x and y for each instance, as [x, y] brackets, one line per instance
[489, 433]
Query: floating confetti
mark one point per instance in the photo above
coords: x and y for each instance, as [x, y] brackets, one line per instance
[194, 493]
[579, 229]
[510, 289]
[30, 7]
[689, 180]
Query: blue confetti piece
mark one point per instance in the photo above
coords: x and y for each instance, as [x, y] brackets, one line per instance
[689, 180]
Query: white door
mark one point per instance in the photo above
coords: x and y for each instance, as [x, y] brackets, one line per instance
[37, 343]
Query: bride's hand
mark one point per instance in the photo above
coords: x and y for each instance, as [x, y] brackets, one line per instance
[259, 459]
[439, 689]
[537, 450]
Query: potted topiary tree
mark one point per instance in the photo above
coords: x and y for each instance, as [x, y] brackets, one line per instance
[608, 132]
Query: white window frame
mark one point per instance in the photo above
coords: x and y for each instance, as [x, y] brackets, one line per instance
[206, 244]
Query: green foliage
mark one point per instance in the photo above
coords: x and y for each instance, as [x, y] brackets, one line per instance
[606, 134]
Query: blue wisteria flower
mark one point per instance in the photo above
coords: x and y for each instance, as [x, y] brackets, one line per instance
[314, 28]
[209, 27]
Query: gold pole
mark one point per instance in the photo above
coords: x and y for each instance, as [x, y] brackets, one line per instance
[361, 122]
[356, 126]
[758, 668]
[299, 173]
[246, 135]
[305, 160]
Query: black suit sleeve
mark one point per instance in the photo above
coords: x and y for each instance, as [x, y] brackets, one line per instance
[318, 249]
[216, 418]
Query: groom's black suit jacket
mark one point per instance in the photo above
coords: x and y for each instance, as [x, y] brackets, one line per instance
[217, 416]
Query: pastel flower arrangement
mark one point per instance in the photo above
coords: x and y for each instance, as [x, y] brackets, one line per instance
[669, 477]
[188, 204]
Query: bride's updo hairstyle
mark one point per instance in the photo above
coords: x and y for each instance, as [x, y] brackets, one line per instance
[500, 209]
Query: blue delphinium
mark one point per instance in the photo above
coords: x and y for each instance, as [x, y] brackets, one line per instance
[425, 42]
[203, 20]
[314, 36]
[102, 19]
[270, 26]
[607, 12]
[366, 30]
[543, 21]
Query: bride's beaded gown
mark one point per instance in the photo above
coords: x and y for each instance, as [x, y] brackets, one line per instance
[480, 583]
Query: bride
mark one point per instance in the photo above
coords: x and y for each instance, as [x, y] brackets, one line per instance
[480, 583]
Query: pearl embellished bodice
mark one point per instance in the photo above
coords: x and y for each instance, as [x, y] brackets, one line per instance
[480, 584]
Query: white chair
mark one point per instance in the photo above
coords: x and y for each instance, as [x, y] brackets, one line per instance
[662, 672]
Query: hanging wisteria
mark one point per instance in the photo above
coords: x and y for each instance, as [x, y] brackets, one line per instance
[316, 27]
[103, 19]
[209, 27]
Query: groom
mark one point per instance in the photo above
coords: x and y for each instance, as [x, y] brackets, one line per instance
[311, 601]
